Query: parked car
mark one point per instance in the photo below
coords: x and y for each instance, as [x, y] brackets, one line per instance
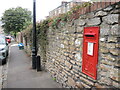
[8, 39]
[4, 49]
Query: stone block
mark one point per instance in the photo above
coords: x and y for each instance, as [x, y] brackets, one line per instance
[115, 29]
[102, 44]
[71, 43]
[104, 29]
[66, 42]
[79, 63]
[104, 50]
[78, 57]
[85, 85]
[78, 42]
[118, 45]
[93, 21]
[71, 30]
[108, 8]
[110, 45]
[81, 22]
[90, 15]
[110, 57]
[115, 74]
[116, 84]
[79, 85]
[71, 82]
[79, 29]
[98, 86]
[76, 67]
[80, 36]
[111, 18]
[62, 61]
[72, 61]
[64, 79]
[65, 54]
[104, 80]
[105, 67]
[114, 51]
[75, 71]
[112, 39]
[104, 73]
[82, 74]
[71, 56]
[66, 47]
[106, 62]
[78, 49]
[86, 81]
[68, 64]
[116, 11]
[76, 75]
[102, 39]
[72, 37]
[68, 59]
[67, 71]
[117, 6]
[100, 13]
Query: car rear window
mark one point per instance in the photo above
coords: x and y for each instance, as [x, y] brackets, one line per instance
[7, 38]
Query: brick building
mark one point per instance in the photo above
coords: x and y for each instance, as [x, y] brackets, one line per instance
[63, 8]
[1, 30]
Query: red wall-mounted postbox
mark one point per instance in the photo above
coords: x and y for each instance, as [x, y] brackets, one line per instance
[90, 51]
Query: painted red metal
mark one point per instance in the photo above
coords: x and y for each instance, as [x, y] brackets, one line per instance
[90, 51]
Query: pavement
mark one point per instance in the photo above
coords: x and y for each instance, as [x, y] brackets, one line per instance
[20, 74]
[0, 77]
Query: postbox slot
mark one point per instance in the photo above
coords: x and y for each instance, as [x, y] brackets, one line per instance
[90, 34]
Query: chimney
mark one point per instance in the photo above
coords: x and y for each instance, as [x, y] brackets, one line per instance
[64, 2]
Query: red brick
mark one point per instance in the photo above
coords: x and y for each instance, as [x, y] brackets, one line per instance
[87, 9]
[82, 11]
[95, 6]
[113, 2]
[117, 0]
[99, 5]
[91, 8]
[79, 11]
[108, 3]
[103, 4]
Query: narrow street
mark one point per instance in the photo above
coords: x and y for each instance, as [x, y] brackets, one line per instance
[78, 42]
[20, 74]
[0, 77]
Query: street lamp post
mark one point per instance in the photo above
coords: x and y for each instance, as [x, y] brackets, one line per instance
[34, 45]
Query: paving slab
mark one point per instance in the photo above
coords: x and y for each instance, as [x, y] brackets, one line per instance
[0, 77]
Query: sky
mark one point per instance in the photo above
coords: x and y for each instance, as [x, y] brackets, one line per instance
[43, 7]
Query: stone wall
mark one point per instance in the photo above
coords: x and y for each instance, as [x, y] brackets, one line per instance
[1, 77]
[65, 48]
[64, 51]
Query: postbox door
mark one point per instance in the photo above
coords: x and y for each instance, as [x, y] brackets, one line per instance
[90, 51]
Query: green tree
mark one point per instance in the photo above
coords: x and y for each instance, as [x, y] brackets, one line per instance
[16, 19]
